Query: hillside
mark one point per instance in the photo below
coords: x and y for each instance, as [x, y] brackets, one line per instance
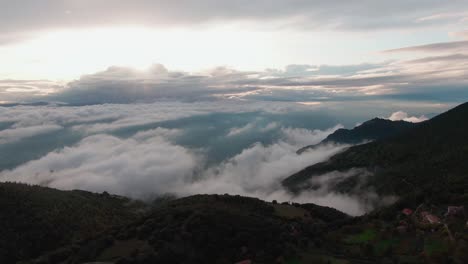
[85, 227]
[207, 229]
[36, 219]
[233, 229]
[371, 130]
[429, 158]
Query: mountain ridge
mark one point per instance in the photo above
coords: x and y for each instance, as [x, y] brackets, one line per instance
[437, 148]
[374, 129]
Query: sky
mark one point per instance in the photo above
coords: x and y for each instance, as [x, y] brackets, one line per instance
[230, 89]
[385, 48]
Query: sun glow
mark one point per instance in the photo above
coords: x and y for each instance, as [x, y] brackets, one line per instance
[69, 54]
[65, 55]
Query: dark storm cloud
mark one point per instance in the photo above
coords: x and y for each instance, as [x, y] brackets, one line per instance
[32, 15]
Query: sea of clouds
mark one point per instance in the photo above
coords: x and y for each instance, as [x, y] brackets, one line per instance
[145, 150]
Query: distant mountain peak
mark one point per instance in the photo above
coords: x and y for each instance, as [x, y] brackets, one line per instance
[374, 129]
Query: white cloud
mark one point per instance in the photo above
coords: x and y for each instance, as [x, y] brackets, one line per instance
[400, 115]
[109, 117]
[258, 172]
[144, 164]
[271, 126]
[239, 130]
[17, 133]
[148, 163]
[303, 137]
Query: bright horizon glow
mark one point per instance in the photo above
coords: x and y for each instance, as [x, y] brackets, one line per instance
[68, 54]
[63, 40]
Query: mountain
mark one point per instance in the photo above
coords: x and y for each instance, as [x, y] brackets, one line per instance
[196, 229]
[36, 219]
[221, 229]
[210, 229]
[428, 158]
[371, 130]
[241, 230]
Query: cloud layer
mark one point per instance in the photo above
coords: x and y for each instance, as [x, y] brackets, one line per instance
[15, 134]
[148, 164]
[144, 164]
[433, 78]
[22, 15]
[221, 146]
[108, 156]
[444, 47]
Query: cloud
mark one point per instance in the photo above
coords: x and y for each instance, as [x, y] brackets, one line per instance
[16, 134]
[23, 15]
[454, 47]
[304, 70]
[19, 90]
[181, 147]
[446, 16]
[304, 137]
[400, 115]
[257, 171]
[462, 34]
[239, 130]
[148, 164]
[127, 85]
[14, 37]
[144, 164]
[452, 58]
[269, 127]
[253, 127]
[356, 201]
[202, 125]
[105, 118]
[427, 78]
